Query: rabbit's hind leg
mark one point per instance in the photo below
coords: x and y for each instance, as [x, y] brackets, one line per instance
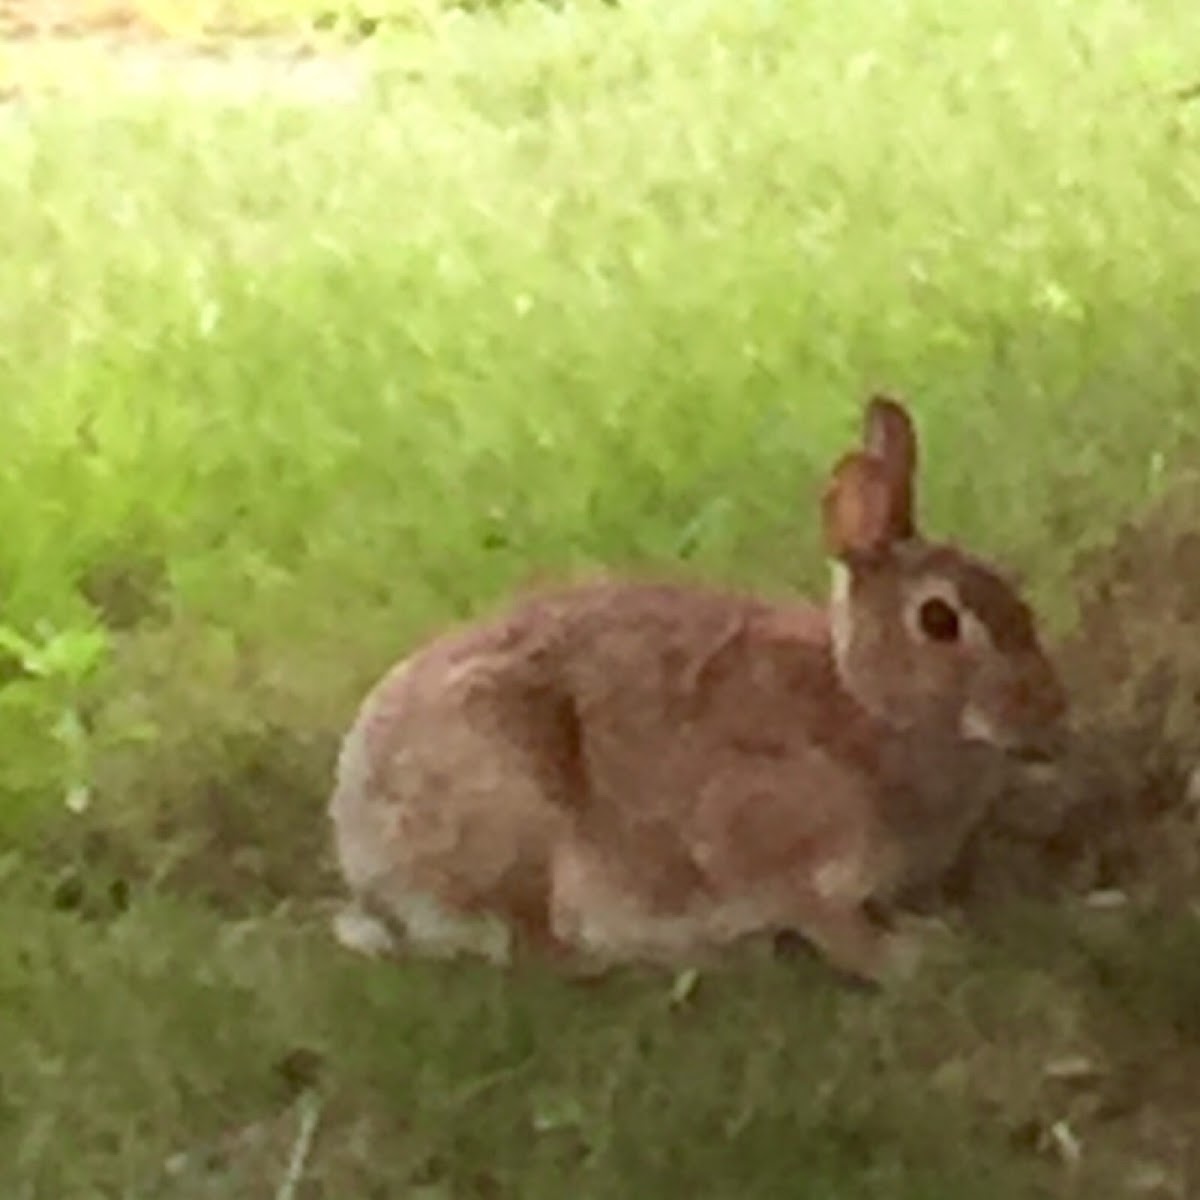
[445, 850]
[852, 942]
[394, 920]
[596, 909]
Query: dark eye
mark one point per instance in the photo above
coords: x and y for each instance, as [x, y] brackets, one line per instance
[938, 620]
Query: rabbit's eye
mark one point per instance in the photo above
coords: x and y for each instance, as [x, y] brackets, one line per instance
[938, 620]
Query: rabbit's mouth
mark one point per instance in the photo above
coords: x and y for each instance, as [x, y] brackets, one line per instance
[1036, 749]
[1035, 754]
[1037, 765]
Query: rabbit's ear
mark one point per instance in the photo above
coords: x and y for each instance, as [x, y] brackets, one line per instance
[889, 436]
[857, 508]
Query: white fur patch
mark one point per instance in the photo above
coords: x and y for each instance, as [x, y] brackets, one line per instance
[358, 931]
[839, 880]
[623, 931]
[906, 954]
[977, 727]
[434, 930]
[429, 930]
[840, 617]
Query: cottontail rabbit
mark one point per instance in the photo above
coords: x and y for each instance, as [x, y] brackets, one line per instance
[621, 770]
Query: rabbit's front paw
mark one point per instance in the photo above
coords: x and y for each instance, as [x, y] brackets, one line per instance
[916, 944]
[905, 952]
[357, 930]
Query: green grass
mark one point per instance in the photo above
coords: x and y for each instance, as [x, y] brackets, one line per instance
[171, 1054]
[287, 386]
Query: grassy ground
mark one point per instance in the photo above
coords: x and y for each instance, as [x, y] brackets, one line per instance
[290, 385]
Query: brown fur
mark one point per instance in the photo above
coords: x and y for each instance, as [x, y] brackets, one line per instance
[648, 770]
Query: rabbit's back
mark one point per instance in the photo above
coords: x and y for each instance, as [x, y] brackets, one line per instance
[647, 718]
[667, 673]
[614, 688]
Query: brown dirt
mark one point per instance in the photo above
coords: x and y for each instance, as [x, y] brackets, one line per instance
[24, 19]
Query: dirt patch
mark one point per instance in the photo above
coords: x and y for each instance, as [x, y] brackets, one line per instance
[112, 23]
[117, 22]
[21, 20]
[222, 69]
[202, 49]
[207, 20]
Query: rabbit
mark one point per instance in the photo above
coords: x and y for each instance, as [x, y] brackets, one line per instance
[638, 771]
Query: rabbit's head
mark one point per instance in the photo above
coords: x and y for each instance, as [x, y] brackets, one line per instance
[926, 635]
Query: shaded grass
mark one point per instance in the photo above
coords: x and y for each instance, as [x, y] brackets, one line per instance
[162, 1053]
[291, 384]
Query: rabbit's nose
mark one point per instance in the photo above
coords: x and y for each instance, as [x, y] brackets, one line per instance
[1037, 752]
[1047, 741]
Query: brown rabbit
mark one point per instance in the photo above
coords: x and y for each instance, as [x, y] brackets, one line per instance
[637, 771]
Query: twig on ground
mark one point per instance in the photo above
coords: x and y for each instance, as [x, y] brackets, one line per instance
[310, 1118]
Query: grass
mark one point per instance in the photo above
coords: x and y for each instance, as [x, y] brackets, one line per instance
[170, 1053]
[292, 384]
